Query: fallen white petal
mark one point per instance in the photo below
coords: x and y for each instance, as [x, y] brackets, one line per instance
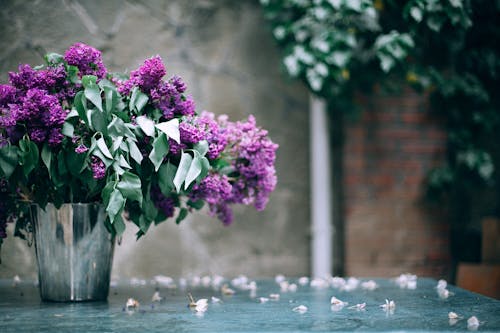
[369, 285]
[225, 290]
[131, 304]
[472, 322]
[300, 309]
[335, 301]
[279, 278]
[156, 297]
[216, 300]
[274, 296]
[164, 281]
[304, 280]
[360, 306]
[442, 284]
[263, 299]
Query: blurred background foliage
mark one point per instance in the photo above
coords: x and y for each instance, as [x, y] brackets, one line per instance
[447, 49]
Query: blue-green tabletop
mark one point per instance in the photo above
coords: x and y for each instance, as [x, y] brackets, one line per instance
[262, 306]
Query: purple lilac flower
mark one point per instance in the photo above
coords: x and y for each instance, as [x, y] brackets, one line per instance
[147, 77]
[165, 204]
[213, 189]
[98, 168]
[37, 114]
[178, 83]
[87, 59]
[253, 155]
[81, 149]
[214, 134]
[190, 133]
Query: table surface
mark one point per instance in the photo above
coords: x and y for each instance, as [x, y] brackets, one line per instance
[419, 309]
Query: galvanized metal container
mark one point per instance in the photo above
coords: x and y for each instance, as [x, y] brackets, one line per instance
[74, 252]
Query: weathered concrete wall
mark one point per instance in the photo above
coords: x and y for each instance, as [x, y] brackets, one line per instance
[226, 54]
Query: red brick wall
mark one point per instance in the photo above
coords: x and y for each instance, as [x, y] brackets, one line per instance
[388, 152]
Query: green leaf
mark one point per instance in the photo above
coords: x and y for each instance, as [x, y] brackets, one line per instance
[118, 225]
[46, 155]
[201, 147]
[123, 162]
[182, 171]
[8, 159]
[182, 215]
[72, 74]
[135, 153]
[117, 128]
[205, 167]
[101, 144]
[171, 129]
[159, 151]
[116, 144]
[146, 125]
[97, 121]
[115, 205]
[110, 96]
[149, 209]
[130, 187]
[92, 91]
[196, 204]
[54, 58]
[28, 156]
[194, 170]
[81, 107]
[106, 192]
[75, 161]
[138, 100]
[68, 129]
[166, 175]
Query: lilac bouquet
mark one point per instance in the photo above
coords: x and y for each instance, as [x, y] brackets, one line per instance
[70, 132]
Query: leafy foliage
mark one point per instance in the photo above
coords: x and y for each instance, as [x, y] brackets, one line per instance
[448, 48]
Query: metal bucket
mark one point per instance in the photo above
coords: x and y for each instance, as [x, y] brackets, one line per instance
[74, 252]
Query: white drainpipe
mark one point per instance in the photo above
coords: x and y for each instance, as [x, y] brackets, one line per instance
[321, 229]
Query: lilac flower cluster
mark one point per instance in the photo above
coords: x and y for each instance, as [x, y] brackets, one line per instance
[168, 96]
[33, 112]
[253, 176]
[87, 59]
[253, 155]
[32, 103]
[98, 168]
[200, 127]
[165, 204]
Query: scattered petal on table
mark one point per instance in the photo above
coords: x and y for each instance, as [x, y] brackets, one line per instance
[407, 281]
[163, 281]
[453, 315]
[442, 284]
[132, 304]
[358, 307]
[279, 278]
[200, 305]
[225, 290]
[304, 280]
[156, 297]
[16, 280]
[300, 309]
[351, 284]
[338, 282]
[389, 305]
[319, 283]
[263, 300]
[472, 323]
[335, 301]
[216, 300]
[274, 296]
[369, 285]
[444, 293]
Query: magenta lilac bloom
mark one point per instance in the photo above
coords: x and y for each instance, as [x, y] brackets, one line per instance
[87, 59]
[81, 149]
[98, 168]
[165, 204]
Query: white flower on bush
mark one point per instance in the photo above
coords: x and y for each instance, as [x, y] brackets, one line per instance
[320, 45]
[315, 81]
[292, 65]
[279, 32]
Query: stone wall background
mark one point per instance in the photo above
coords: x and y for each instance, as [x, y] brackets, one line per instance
[224, 51]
